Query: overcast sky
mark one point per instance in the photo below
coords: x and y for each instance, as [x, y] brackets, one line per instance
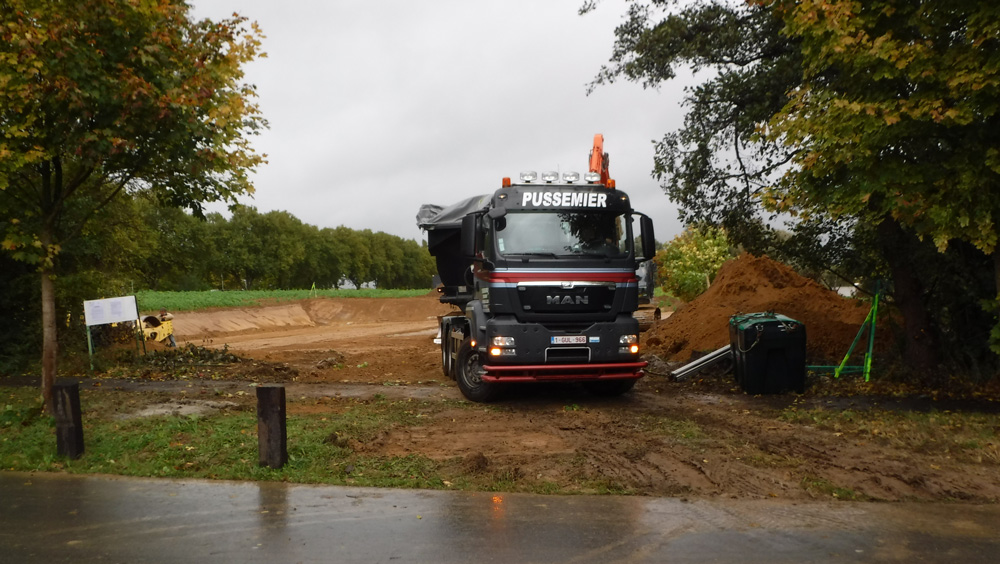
[378, 106]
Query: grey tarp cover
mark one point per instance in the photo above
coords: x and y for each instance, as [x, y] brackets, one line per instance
[432, 216]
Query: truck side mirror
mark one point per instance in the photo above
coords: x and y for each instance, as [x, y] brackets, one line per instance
[470, 233]
[648, 239]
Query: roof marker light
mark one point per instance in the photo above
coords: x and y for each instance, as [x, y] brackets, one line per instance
[592, 177]
[550, 176]
[571, 176]
[529, 176]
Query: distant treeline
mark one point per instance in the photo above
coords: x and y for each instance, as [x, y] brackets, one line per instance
[273, 250]
[174, 250]
[137, 243]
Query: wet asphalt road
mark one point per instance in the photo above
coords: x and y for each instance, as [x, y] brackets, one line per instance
[83, 519]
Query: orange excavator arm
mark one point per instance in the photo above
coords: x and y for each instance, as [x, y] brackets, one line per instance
[599, 160]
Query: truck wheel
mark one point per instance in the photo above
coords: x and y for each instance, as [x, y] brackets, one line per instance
[609, 388]
[446, 362]
[469, 372]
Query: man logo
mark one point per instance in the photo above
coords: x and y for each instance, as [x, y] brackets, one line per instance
[567, 300]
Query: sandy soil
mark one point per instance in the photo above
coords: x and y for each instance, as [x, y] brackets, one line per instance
[694, 438]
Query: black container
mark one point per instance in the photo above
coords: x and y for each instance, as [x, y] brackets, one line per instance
[769, 351]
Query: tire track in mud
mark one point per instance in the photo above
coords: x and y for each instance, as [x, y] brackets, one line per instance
[801, 459]
[663, 472]
[734, 453]
[628, 458]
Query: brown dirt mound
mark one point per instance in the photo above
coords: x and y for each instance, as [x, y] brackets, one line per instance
[750, 284]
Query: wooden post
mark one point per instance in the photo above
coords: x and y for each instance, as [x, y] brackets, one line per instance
[272, 437]
[69, 424]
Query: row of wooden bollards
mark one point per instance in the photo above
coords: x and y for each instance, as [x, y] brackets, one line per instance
[272, 434]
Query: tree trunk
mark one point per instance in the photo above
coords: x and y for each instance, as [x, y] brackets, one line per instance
[920, 347]
[50, 342]
[994, 344]
[996, 273]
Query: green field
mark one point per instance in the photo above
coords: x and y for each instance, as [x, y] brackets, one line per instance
[192, 301]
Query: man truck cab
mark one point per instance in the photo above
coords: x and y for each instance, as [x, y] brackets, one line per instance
[543, 272]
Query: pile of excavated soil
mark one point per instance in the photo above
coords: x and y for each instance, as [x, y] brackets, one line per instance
[750, 284]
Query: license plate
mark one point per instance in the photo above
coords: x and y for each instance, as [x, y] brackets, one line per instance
[570, 340]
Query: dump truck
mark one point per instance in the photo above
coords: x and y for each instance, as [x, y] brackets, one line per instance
[543, 275]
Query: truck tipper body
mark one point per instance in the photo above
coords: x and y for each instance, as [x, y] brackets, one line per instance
[543, 275]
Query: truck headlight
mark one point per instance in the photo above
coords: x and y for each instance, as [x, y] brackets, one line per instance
[628, 340]
[502, 346]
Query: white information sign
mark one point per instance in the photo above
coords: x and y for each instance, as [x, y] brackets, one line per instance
[110, 310]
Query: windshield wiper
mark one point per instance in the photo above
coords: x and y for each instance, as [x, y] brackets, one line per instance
[524, 256]
[599, 253]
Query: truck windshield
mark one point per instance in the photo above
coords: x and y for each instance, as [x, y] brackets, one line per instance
[553, 233]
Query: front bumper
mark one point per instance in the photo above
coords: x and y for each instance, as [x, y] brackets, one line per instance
[563, 372]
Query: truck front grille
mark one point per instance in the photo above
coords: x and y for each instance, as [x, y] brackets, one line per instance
[574, 299]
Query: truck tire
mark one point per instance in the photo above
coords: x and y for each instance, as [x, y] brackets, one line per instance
[468, 373]
[609, 388]
[447, 364]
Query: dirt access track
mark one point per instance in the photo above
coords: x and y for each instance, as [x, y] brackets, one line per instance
[694, 438]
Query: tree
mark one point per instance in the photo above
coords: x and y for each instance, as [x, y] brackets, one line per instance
[732, 154]
[314, 267]
[356, 255]
[330, 255]
[104, 97]
[716, 165]
[897, 120]
[174, 249]
[222, 272]
[285, 238]
[419, 267]
[688, 264]
[263, 250]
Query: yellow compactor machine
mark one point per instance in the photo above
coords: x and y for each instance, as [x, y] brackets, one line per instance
[155, 330]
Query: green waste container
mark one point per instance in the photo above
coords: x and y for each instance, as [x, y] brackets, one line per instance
[769, 352]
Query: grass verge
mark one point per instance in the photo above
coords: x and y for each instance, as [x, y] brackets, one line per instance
[822, 488]
[149, 300]
[327, 440]
[322, 448]
[964, 436]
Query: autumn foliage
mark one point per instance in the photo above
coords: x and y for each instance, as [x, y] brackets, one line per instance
[102, 97]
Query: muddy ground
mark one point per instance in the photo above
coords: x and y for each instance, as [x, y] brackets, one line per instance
[700, 437]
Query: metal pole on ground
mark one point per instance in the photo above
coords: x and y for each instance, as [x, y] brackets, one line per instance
[90, 349]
